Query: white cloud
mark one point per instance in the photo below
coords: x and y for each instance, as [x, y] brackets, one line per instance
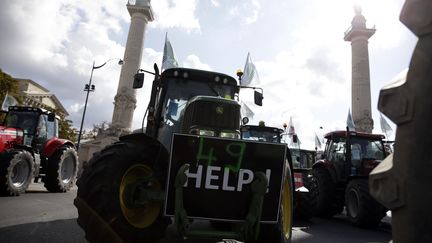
[215, 3]
[248, 11]
[193, 61]
[176, 14]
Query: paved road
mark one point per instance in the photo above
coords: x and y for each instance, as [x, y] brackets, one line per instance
[39, 216]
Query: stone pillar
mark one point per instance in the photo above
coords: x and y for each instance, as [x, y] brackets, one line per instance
[358, 35]
[125, 100]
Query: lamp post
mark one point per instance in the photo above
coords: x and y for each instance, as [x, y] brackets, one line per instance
[91, 88]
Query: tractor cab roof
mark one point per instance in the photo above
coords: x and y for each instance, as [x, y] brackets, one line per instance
[261, 129]
[343, 134]
[31, 109]
[199, 75]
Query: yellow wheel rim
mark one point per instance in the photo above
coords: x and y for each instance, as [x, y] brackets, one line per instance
[144, 216]
[286, 209]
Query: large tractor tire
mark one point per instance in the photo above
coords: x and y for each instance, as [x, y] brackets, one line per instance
[102, 209]
[305, 203]
[61, 171]
[362, 210]
[328, 204]
[16, 172]
[281, 232]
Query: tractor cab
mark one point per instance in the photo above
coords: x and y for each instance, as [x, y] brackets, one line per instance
[193, 102]
[37, 125]
[261, 133]
[354, 153]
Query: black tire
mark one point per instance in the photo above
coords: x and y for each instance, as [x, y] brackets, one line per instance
[281, 232]
[305, 203]
[16, 172]
[61, 171]
[327, 202]
[362, 210]
[102, 213]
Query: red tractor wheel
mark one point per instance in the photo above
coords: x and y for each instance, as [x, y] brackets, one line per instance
[362, 209]
[61, 170]
[16, 172]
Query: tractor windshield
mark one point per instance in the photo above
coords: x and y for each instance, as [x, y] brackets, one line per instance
[262, 136]
[366, 149]
[178, 93]
[26, 120]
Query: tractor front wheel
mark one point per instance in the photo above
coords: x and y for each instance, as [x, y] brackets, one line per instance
[103, 200]
[362, 210]
[61, 170]
[16, 172]
[281, 232]
[327, 204]
[306, 202]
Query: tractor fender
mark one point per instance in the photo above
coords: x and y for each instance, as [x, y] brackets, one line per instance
[327, 166]
[53, 144]
[153, 143]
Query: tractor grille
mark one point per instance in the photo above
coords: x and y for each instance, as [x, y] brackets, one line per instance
[210, 112]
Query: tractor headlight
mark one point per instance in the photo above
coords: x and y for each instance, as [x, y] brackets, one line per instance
[230, 135]
[206, 133]
[202, 132]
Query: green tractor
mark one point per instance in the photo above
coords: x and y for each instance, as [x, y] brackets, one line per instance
[305, 186]
[188, 163]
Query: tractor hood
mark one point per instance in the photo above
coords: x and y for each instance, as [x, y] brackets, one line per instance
[214, 113]
[10, 136]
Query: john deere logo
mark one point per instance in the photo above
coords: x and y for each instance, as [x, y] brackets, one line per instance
[219, 110]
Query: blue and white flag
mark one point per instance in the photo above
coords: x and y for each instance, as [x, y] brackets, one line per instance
[9, 100]
[317, 142]
[246, 111]
[291, 129]
[168, 59]
[350, 122]
[385, 127]
[250, 73]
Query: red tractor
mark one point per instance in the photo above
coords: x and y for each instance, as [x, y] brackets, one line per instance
[342, 175]
[30, 149]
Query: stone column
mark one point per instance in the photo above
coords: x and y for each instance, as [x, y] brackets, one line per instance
[358, 35]
[125, 100]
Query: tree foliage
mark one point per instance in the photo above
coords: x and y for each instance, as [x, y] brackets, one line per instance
[66, 130]
[8, 85]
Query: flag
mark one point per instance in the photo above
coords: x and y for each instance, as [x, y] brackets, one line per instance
[245, 111]
[385, 127]
[317, 142]
[9, 100]
[168, 59]
[291, 130]
[250, 73]
[350, 122]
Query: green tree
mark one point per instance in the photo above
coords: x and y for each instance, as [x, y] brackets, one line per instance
[66, 130]
[8, 85]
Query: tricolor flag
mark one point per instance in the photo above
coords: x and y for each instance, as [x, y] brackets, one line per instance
[168, 59]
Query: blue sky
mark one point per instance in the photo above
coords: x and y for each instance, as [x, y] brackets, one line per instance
[297, 46]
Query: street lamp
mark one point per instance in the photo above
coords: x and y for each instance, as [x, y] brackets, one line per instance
[91, 88]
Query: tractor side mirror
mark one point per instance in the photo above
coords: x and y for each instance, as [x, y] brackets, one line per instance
[295, 138]
[138, 80]
[51, 117]
[258, 97]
